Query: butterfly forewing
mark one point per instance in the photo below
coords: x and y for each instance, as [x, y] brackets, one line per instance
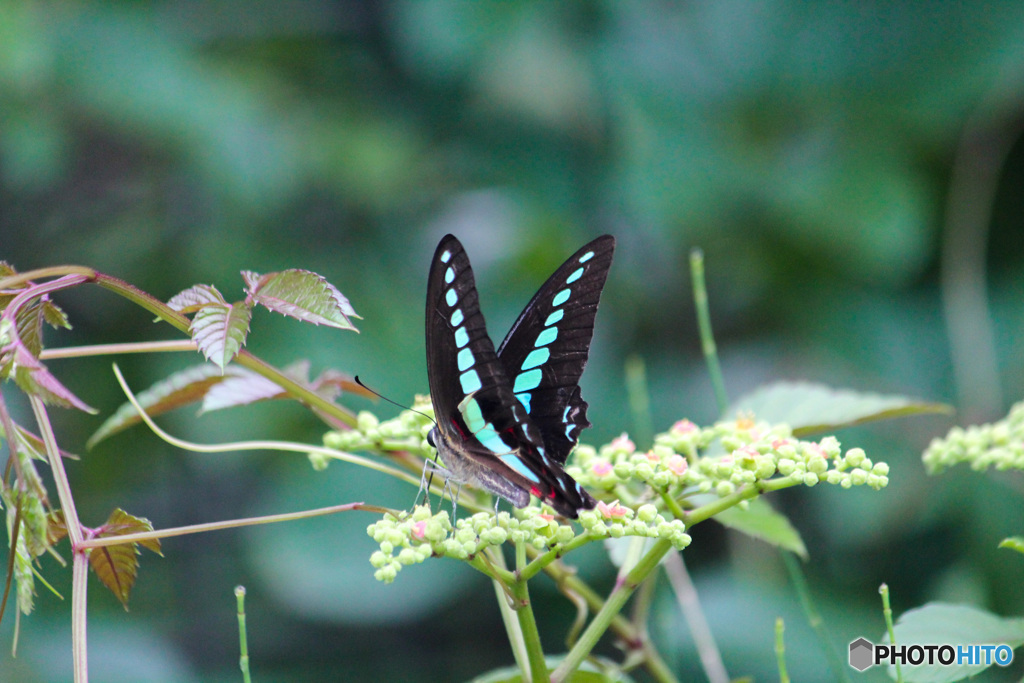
[546, 350]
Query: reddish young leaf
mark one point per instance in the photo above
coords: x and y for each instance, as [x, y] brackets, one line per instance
[117, 566]
[56, 527]
[219, 330]
[33, 378]
[303, 295]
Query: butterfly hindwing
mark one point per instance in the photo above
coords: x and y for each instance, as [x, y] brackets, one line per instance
[546, 350]
[485, 434]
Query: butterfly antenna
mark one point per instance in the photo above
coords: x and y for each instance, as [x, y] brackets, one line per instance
[430, 479]
[394, 403]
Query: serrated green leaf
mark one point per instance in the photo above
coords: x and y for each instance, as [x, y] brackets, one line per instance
[117, 566]
[303, 295]
[761, 521]
[220, 330]
[195, 297]
[813, 408]
[938, 623]
[1013, 543]
[55, 316]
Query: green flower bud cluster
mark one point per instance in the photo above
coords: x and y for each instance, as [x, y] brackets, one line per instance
[615, 521]
[998, 444]
[754, 452]
[410, 538]
[407, 432]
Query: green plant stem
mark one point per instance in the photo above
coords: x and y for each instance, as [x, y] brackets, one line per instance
[79, 590]
[780, 649]
[887, 615]
[707, 337]
[813, 617]
[80, 566]
[256, 445]
[528, 627]
[568, 581]
[228, 524]
[171, 345]
[243, 640]
[709, 510]
[612, 607]
[689, 605]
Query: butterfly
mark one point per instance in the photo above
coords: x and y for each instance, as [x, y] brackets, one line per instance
[507, 419]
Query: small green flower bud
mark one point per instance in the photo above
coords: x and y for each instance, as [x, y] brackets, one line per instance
[494, 536]
[724, 489]
[786, 466]
[623, 471]
[409, 556]
[810, 479]
[854, 457]
[385, 574]
[858, 476]
[378, 559]
[335, 440]
[366, 421]
[387, 548]
[881, 469]
[319, 461]
[646, 513]
[817, 464]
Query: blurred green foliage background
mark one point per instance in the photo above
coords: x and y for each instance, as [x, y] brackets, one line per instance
[852, 171]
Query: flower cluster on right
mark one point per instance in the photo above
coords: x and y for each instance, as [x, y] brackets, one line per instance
[997, 444]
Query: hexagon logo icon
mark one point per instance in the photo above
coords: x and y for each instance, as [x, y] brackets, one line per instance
[861, 654]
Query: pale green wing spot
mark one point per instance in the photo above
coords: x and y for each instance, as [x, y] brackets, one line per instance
[465, 359]
[548, 335]
[576, 274]
[457, 317]
[524, 398]
[471, 414]
[526, 381]
[461, 337]
[446, 256]
[561, 297]
[586, 257]
[449, 275]
[470, 381]
[450, 297]
[554, 318]
[515, 463]
[536, 358]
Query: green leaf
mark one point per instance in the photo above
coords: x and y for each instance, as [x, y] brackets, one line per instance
[1013, 543]
[813, 408]
[217, 389]
[117, 566]
[303, 295]
[219, 330]
[760, 521]
[195, 297]
[180, 389]
[938, 623]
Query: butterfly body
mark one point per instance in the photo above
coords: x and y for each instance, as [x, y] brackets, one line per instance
[508, 418]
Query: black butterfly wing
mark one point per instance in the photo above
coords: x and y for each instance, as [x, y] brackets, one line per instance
[546, 350]
[484, 434]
